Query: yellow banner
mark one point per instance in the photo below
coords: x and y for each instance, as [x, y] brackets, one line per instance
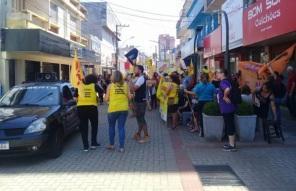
[76, 75]
[163, 101]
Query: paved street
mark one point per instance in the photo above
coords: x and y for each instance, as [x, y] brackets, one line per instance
[165, 163]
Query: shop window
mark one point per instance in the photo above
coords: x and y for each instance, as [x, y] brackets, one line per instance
[32, 69]
[65, 72]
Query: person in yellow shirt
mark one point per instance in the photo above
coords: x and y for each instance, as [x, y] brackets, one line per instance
[87, 106]
[118, 96]
[172, 94]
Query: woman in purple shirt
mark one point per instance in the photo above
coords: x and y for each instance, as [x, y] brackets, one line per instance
[227, 109]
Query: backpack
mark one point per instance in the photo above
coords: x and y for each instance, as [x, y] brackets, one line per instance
[235, 94]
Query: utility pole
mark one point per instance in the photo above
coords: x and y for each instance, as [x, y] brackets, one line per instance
[117, 49]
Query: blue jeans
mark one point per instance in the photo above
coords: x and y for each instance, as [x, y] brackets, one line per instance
[120, 117]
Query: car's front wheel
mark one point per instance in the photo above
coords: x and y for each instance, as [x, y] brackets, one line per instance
[56, 144]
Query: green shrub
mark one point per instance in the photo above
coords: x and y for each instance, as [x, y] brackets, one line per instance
[212, 109]
[245, 109]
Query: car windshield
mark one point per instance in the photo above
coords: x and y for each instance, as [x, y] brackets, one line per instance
[31, 96]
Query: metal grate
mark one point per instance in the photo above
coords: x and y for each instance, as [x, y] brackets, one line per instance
[218, 175]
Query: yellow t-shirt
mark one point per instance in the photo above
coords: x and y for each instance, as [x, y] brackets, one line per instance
[87, 95]
[174, 93]
[118, 100]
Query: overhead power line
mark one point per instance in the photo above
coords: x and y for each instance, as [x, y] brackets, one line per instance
[144, 11]
[144, 17]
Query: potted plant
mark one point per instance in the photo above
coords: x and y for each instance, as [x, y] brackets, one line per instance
[212, 121]
[245, 120]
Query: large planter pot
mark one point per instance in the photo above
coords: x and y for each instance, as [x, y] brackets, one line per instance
[246, 127]
[213, 127]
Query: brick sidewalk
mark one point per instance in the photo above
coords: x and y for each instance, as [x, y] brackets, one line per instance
[165, 163]
[149, 166]
[261, 166]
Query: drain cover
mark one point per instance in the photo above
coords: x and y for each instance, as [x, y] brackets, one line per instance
[218, 175]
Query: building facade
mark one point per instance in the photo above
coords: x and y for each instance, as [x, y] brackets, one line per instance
[166, 46]
[258, 31]
[195, 23]
[40, 36]
[101, 23]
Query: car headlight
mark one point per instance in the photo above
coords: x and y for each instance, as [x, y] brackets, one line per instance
[37, 126]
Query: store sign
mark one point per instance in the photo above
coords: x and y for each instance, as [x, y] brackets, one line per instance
[266, 19]
[212, 43]
[234, 10]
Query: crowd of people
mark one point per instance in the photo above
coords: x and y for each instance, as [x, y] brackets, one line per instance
[137, 92]
[186, 95]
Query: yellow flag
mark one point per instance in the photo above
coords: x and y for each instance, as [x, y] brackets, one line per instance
[158, 92]
[76, 75]
[191, 68]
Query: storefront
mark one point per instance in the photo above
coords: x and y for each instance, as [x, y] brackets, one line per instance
[266, 30]
[212, 50]
[39, 51]
[234, 10]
